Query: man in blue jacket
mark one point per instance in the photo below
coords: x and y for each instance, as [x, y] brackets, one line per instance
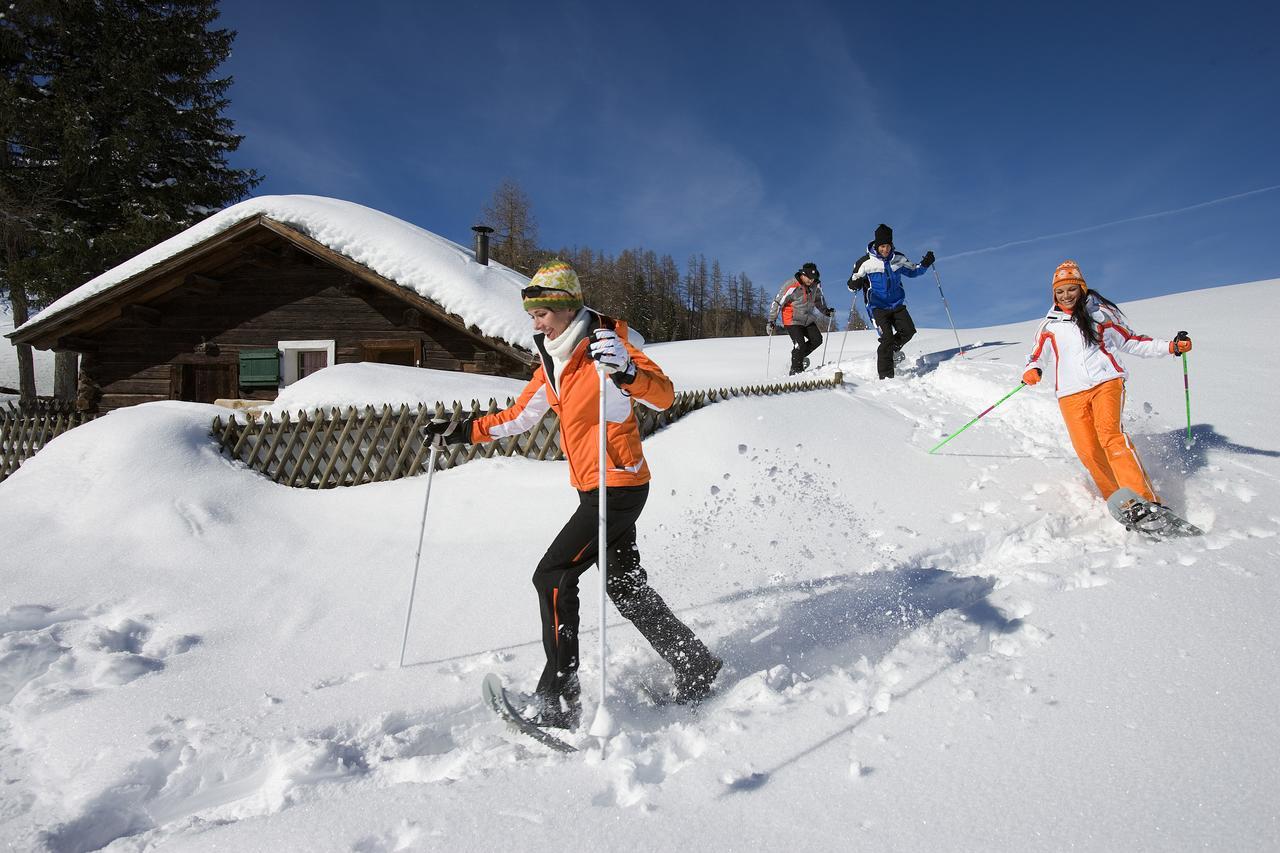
[878, 274]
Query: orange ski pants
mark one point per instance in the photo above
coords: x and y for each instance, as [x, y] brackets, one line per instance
[1093, 422]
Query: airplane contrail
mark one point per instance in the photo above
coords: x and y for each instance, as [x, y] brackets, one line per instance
[1116, 222]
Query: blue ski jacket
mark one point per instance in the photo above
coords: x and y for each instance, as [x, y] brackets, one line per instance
[883, 278]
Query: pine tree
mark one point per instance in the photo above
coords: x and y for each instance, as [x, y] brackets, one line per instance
[115, 137]
[510, 213]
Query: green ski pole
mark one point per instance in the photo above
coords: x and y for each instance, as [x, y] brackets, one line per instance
[1021, 385]
[1186, 386]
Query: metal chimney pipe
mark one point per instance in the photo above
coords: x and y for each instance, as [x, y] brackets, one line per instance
[482, 243]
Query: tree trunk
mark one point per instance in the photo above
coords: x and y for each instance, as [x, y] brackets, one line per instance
[66, 369]
[26, 364]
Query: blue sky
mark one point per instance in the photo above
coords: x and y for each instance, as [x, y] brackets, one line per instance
[1139, 139]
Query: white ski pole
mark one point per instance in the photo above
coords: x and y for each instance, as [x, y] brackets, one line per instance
[769, 354]
[417, 557]
[831, 319]
[948, 308]
[602, 725]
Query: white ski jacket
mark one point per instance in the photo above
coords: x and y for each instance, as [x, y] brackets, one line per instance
[1079, 365]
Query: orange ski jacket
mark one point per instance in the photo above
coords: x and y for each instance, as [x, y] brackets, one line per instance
[575, 398]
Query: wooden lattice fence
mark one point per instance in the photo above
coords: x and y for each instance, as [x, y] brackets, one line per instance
[30, 425]
[322, 449]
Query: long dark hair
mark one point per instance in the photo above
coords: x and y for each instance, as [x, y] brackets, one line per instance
[1080, 314]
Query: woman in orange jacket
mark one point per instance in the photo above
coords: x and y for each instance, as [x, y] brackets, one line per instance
[570, 341]
[1084, 333]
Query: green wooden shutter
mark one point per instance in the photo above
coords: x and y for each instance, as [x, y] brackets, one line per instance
[259, 368]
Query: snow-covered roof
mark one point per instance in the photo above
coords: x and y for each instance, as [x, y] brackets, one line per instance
[445, 272]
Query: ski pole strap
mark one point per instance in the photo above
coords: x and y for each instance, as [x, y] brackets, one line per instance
[1021, 385]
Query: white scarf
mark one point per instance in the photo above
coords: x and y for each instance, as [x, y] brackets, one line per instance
[563, 346]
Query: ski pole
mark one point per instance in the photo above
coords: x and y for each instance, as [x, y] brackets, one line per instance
[830, 322]
[1186, 386]
[948, 308]
[1021, 385]
[769, 354]
[840, 357]
[417, 557]
[601, 726]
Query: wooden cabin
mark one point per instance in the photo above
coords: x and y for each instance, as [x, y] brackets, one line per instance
[250, 310]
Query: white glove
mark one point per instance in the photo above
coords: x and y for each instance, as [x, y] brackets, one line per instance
[609, 350]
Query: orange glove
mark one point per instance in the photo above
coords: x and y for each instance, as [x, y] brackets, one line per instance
[1181, 343]
[1032, 376]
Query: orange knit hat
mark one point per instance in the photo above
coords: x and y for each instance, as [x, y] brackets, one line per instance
[1068, 273]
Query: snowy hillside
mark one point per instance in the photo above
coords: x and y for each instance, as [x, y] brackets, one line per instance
[958, 651]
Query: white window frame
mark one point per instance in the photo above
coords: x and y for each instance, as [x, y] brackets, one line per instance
[289, 357]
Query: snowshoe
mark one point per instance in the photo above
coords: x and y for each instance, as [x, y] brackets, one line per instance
[1153, 520]
[499, 700]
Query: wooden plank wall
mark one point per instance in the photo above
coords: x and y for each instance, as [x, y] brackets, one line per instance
[246, 305]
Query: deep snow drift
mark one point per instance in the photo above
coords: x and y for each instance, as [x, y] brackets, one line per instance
[949, 651]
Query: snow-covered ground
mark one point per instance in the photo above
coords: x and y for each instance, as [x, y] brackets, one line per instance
[43, 360]
[366, 384]
[958, 651]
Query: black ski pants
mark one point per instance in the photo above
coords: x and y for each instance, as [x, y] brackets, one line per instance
[573, 551]
[804, 340]
[896, 328]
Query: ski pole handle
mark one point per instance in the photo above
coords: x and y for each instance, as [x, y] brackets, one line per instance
[1021, 385]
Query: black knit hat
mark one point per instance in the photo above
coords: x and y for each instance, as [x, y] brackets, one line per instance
[810, 269]
[884, 234]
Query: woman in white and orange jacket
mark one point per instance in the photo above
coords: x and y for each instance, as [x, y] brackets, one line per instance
[1084, 333]
[571, 340]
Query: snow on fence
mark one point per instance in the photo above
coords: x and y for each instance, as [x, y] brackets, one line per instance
[31, 425]
[323, 449]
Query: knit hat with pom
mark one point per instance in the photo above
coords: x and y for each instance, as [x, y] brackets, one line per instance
[555, 285]
[1068, 273]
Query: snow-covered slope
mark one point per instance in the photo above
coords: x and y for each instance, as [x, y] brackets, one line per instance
[958, 651]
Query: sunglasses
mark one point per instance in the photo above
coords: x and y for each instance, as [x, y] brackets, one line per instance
[533, 291]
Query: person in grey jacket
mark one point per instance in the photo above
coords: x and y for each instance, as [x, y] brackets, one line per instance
[802, 306]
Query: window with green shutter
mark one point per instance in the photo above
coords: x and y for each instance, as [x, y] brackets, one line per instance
[259, 368]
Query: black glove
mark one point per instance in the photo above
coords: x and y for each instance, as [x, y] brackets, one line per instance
[441, 433]
[858, 282]
[831, 312]
[771, 329]
[927, 260]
